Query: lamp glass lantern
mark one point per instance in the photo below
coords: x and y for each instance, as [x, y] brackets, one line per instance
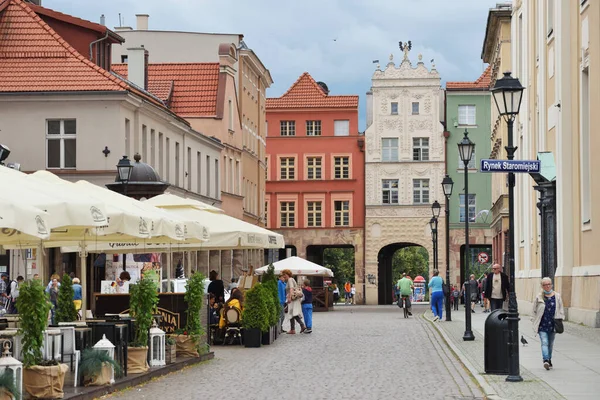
[12, 366]
[124, 168]
[157, 346]
[105, 345]
[508, 93]
[447, 185]
[435, 209]
[466, 148]
[432, 224]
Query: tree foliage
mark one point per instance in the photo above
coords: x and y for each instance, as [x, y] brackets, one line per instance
[269, 281]
[341, 262]
[256, 311]
[33, 309]
[65, 308]
[412, 260]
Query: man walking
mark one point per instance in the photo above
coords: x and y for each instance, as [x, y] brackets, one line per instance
[282, 299]
[406, 286]
[496, 288]
[485, 302]
[348, 292]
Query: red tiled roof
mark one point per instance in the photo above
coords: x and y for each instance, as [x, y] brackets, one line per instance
[195, 85]
[34, 58]
[482, 83]
[306, 93]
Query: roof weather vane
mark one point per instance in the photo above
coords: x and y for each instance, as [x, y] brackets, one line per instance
[406, 47]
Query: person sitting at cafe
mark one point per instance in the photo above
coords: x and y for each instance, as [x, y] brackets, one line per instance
[236, 300]
[123, 282]
[213, 312]
[216, 286]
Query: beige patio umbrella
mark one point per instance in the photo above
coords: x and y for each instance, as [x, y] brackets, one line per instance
[22, 219]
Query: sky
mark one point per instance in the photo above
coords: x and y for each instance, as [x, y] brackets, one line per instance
[336, 41]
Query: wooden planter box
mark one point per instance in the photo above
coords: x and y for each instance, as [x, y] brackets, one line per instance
[171, 353]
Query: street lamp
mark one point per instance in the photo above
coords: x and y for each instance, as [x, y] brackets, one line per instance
[508, 93]
[435, 211]
[447, 185]
[466, 148]
[124, 168]
[433, 226]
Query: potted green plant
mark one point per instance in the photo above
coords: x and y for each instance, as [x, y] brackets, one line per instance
[171, 350]
[65, 308]
[255, 317]
[41, 379]
[142, 304]
[8, 389]
[97, 367]
[188, 342]
[269, 281]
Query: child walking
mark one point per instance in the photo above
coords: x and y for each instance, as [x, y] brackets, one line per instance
[307, 307]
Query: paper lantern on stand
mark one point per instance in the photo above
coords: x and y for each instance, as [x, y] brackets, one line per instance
[105, 345]
[157, 346]
[12, 366]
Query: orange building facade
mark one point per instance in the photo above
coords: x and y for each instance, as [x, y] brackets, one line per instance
[315, 172]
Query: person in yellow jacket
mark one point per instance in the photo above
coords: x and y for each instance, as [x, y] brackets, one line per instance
[236, 300]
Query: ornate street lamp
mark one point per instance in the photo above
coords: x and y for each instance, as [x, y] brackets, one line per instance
[466, 148]
[435, 211]
[433, 227]
[447, 185]
[124, 168]
[508, 93]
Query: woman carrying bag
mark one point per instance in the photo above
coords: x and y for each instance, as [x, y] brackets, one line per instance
[294, 302]
[548, 316]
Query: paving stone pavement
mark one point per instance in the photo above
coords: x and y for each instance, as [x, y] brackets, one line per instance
[357, 352]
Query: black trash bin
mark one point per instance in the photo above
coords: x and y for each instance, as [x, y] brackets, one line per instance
[496, 343]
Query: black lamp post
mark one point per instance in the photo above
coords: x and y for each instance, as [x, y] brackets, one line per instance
[466, 148]
[435, 211]
[447, 185]
[124, 168]
[433, 227]
[508, 93]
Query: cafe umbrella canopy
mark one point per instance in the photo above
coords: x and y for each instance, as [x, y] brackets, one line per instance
[22, 219]
[298, 266]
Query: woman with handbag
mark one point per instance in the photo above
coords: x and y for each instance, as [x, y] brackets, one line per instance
[548, 315]
[294, 302]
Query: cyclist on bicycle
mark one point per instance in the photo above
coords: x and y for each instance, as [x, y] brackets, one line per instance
[405, 285]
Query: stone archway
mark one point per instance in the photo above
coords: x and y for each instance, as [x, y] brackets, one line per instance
[385, 278]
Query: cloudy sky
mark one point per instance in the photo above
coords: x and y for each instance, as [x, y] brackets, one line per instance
[336, 41]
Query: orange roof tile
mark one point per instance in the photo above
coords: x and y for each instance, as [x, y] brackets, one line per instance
[306, 93]
[482, 83]
[34, 58]
[194, 90]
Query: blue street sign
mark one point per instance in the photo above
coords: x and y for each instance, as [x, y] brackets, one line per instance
[526, 166]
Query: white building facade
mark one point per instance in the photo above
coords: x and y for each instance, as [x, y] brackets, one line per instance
[404, 169]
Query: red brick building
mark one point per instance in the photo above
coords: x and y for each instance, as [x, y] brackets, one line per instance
[315, 171]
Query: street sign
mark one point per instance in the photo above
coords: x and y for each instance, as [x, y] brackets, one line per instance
[482, 258]
[526, 166]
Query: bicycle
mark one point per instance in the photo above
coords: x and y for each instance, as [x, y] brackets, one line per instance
[405, 306]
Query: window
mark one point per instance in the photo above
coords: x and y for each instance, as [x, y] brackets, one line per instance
[420, 191]
[230, 111]
[390, 191]
[152, 148]
[61, 143]
[394, 108]
[550, 17]
[217, 189]
[127, 136]
[415, 108]
[472, 163]
[287, 168]
[161, 154]
[461, 209]
[144, 143]
[313, 168]
[168, 159]
[287, 210]
[341, 209]
[208, 178]
[199, 172]
[177, 162]
[466, 115]
[341, 167]
[288, 128]
[585, 146]
[389, 149]
[123, 59]
[266, 213]
[313, 128]
[314, 213]
[188, 172]
[341, 127]
[420, 149]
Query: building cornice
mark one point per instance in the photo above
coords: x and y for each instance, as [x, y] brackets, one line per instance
[495, 17]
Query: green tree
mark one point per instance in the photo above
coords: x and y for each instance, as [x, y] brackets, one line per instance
[341, 262]
[412, 260]
[65, 308]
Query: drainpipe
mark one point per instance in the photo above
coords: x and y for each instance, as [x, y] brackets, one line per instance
[97, 41]
[362, 149]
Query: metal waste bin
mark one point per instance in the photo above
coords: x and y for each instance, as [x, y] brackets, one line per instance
[496, 343]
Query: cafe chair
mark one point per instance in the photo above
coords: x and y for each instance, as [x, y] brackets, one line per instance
[233, 326]
[69, 348]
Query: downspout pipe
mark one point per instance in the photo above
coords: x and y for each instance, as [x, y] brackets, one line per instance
[97, 41]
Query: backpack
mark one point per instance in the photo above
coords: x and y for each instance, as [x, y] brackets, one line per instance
[455, 293]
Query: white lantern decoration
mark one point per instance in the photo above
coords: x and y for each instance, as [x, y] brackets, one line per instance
[157, 346]
[12, 366]
[105, 345]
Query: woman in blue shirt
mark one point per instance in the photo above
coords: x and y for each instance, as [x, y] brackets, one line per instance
[437, 295]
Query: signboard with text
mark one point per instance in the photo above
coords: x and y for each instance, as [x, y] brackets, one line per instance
[527, 166]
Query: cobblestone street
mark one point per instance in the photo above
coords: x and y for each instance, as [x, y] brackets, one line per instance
[359, 352]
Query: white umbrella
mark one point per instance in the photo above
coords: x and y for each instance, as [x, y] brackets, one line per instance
[21, 219]
[298, 266]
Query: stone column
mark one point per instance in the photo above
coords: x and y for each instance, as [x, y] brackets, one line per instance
[214, 261]
[238, 262]
[226, 266]
[202, 261]
[547, 207]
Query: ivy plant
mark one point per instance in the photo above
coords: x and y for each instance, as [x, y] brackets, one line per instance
[65, 308]
[142, 304]
[33, 309]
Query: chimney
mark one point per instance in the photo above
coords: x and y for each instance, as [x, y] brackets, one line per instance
[137, 66]
[102, 20]
[142, 22]
[123, 28]
[369, 108]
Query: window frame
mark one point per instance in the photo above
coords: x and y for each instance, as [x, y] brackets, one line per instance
[461, 207]
[422, 190]
[466, 121]
[344, 214]
[61, 137]
[390, 149]
[421, 149]
[290, 214]
[336, 124]
[412, 108]
[390, 190]
[394, 104]
[290, 128]
[316, 214]
[314, 168]
[289, 176]
[335, 166]
[313, 127]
